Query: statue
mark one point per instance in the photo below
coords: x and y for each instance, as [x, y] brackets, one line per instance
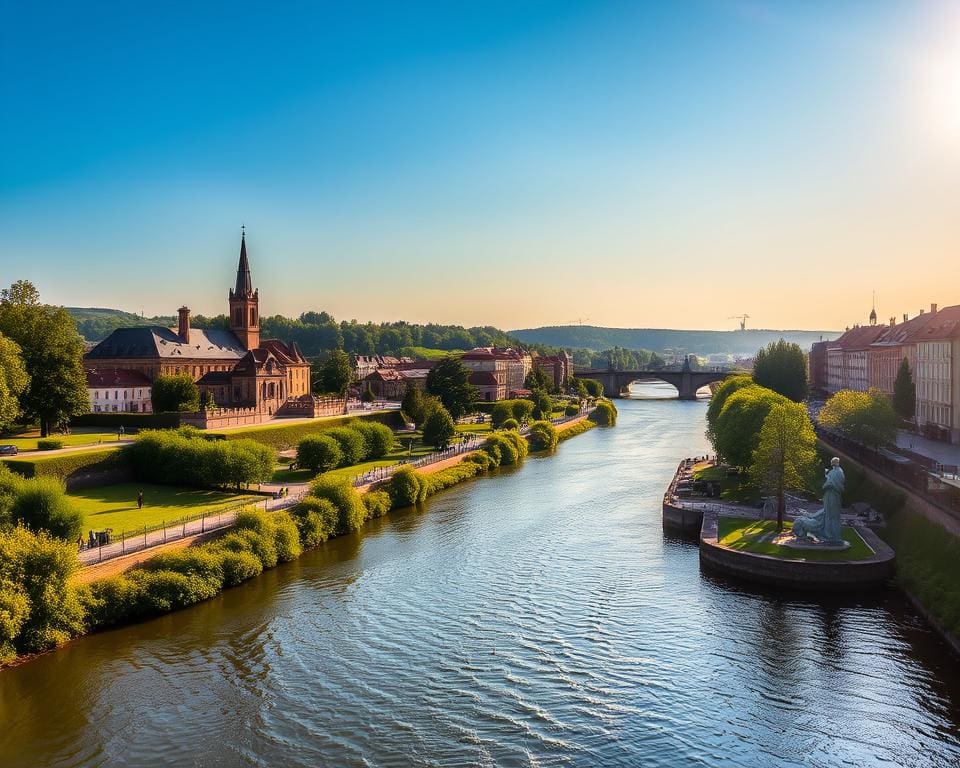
[824, 526]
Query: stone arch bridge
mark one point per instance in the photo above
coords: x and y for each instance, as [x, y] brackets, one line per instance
[687, 382]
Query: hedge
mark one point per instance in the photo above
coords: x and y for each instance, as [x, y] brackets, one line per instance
[573, 429]
[605, 414]
[127, 420]
[64, 465]
[285, 436]
[49, 443]
[543, 436]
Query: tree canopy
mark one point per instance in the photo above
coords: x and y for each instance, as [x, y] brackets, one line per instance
[782, 367]
[439, 429]
[905, 392]
[449, 380]
[866, 417]
[13, 381]
[737, 427]
[175, 393]
[335, 374]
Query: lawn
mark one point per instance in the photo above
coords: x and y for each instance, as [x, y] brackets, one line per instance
[79, 436]
[736, 488]
[115, 506]
[283, 473]
[741, 534]
[474, 428]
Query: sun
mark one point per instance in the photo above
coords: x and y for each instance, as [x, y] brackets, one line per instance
[939, 79]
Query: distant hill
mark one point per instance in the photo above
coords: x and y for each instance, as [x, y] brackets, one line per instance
[96, 323]
[661, 339]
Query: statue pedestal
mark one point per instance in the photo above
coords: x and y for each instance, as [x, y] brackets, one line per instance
[787, 539]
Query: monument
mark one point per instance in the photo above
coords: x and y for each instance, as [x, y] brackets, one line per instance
[823, 527]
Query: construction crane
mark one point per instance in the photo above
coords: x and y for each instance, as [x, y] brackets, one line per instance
[742, 318]
[577, 320]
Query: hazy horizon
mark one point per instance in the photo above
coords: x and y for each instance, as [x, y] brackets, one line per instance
[514, 165]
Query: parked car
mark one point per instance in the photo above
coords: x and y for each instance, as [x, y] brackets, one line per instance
[8, 450]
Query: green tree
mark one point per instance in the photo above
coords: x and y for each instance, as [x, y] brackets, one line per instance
[786, 453]
[42, 504]
[13, 381]
[738, 426]
[543, 436]
[537, 379]
[449, 380]
[367, 396]
[336, 373]
[414, 403]
[319, 453]
[719, 399]
[594, 387]
[173, 393]
[439, 429]
[866, 417]
[52, 354]
[782, 367]
[542, 404]
[905, 392]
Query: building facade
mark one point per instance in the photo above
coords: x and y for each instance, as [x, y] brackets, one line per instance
[497, 373]
[937, 375]
[115, 390]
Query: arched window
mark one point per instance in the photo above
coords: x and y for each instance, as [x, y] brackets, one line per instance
[271, 391]
[238, 316]
[253, 315]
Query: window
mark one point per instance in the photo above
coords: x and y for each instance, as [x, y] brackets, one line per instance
[253, 316]
[238, 316]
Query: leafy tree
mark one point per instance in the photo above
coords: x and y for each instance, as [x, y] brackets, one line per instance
[367, 396]
[605, 414]
[537, 379]
[439, 429]
[782, 367]
[737, 428]
[336, 373]
[13, 381]
[594, 388]
[719, 399]
[319, 453]
[866, 417]
[542, 404]
[52, 355]
[175, 393]
[543, 436]
[786, 453]
[42, 504]
[414, 403]
[352, 445]
[377, 438]
[656, 362]
[905, 392]
[500, 412]
[449, 380]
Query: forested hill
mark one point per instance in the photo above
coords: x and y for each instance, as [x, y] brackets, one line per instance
[660, 339]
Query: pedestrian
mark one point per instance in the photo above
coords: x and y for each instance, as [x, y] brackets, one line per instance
[92, 539]
[80, 543]
[140, 499]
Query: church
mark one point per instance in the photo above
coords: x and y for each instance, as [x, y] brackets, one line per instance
[233, 367]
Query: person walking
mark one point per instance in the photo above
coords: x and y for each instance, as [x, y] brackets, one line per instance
[80, 543]
[140, 499]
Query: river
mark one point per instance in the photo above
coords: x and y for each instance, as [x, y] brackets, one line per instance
[539, 617]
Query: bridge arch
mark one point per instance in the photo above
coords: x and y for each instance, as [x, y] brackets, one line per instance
[686, 382]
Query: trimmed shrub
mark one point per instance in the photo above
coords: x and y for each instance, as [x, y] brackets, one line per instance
[248, 540]
[377, 503]
[519, 409]
[510, 424]
[239, 566]
[286, 537]
[378, 438]
[522, 408]
[352, 445]
[66, 465]
[49, 444]
[41, 504]
[481, 459]
[111, 600]
[571, 410]
[404, 488]
[187, 457]
[316, 520]
[520, 444]
[500, 412]
[605, 414]
[542, 436]
[319, 453]
[446, 478]
[163, 591]
[203, 562]
[567, 431]
[350, 510]
[501, 450]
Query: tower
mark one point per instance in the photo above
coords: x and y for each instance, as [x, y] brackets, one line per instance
[873, 310]
[244, 303]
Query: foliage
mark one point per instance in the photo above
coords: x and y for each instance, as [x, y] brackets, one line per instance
[175, 393]
[377, 438]
[518, 409]
[49, 444]
[185, 457]
[353, 449]
[377, 503]
[439, 429]
[13, 381]
[719, 398]
[316, 520]
[39, 605]
[506, 448]
[522, 408]
[284, 436]
[542, 404]
[446, 478]
[510, 424]
[404, 488]
[449, 380]
[414, 404]
[542, 436]
[538, 379]
[319, 453]
[572, 409]
[52, 353]
[736, 431]
[67, 465]
[335, 374]
[42, 504]
[905, 392]
[594, 388]
[605, 414]
[866, 417]
[350, 510]
[786, 454]
[566, 431]
[782, 367]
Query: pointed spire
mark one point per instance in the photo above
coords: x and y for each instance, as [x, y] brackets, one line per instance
[873, 310]
[244, 283]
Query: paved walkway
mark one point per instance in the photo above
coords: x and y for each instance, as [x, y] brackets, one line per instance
[932, 449]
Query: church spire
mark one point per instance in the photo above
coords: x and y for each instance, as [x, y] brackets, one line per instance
[873, 311]
[244, 283]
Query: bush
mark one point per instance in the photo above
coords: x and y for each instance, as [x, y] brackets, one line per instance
[319, 453]
[350, 510]
[352, 445]
[248, 540]
[42, 504]
[519, 409]
[239, 566]
[162, 591]
[446, 478]
[481, 459]
[439, 429]
[377, 503]
[520, 444]
[543, 436]
[605, 414]
[176, 393]
[286, 537]
[510, 424]
[566, 431]
[112, 600]
[501, 450]
[66, 465]
[203, 562]
[49, 444]
[378, 438]
[316, 520]
[404, 488]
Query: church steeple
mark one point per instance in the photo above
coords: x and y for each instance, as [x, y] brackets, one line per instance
[244, 302]
[873, 311]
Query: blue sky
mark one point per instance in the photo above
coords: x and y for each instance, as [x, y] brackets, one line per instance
[518, 164]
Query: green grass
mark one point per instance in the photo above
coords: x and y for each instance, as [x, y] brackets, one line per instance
[741, 534]
[734, 488]
[427, 353]
[283, 473]
[115, 506]
[474, 428]
[79, 436]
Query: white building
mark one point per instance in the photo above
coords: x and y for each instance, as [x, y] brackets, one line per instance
[118, 390]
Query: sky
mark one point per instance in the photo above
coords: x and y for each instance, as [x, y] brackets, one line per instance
[518, 164]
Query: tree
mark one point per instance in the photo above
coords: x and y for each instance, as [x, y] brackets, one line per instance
[905, 392]
[866, 417]
[782, 367]
[13, 381]
[367, 396]
[737, 428]
[449, 380]
[786, 453]
[439, 429]
[719, 399]
[42, 504]
[537, 379]
[594, 387]
[336, 373]
[413, 404]
[175, 393]
[319, 453]
[52, 355]
[542, 404]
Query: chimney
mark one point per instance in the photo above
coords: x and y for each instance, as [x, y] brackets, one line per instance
[933, 309]
[893, 321]
[905, 318]
[183, 330]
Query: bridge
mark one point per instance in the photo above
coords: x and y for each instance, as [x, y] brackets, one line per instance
[686, 381]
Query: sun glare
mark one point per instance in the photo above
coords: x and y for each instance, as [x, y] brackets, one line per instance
[940, 84]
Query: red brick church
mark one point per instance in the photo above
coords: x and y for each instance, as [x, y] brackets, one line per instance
[235, 368]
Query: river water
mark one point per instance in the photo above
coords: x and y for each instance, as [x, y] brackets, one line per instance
[539, 617]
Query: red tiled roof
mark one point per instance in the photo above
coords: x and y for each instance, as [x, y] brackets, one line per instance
[116, 377]
[945, 324]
